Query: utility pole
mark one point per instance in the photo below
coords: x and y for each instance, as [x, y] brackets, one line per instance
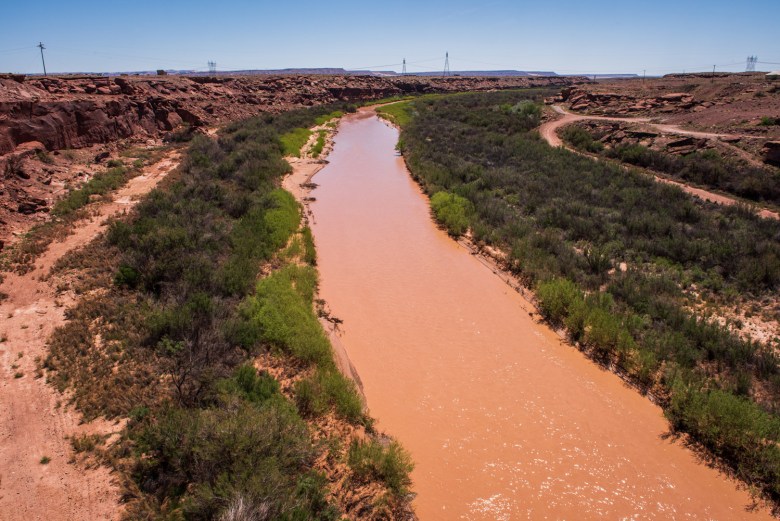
[713, 74]
[644, 75]
[403, 73]
[446, 64]
[40, 44]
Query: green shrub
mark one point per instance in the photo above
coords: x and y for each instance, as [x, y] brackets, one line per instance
[310, 252]
[389, 463]
[581, 139]
[452, 211]
[316, 149]
[280, 314]
[328, 388]
[293, 141]
[244, 449]
[556, 298]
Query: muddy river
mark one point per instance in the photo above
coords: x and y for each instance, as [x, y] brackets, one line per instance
[503, 420]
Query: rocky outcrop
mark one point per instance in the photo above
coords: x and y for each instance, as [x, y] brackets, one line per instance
[612, 103]
[75, 112]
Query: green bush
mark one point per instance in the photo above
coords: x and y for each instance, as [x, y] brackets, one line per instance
[452, 211]
[389, 463]
[293, 141]
[581, 139]
[280, 315]
[557, 298]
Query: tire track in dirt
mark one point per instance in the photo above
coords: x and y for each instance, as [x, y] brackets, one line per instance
[33, 422]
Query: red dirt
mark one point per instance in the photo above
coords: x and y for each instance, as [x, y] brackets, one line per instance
[33, 424]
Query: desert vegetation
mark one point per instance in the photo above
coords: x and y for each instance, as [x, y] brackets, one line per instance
[706, 168]
[617, 261]
[208, 342]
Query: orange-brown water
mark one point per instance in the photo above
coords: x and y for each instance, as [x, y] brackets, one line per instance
[502, 419]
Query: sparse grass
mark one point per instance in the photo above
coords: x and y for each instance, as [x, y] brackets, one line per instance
[45, 460]
[99, 185]
[320, 120]
[86, 442]
[767, 121]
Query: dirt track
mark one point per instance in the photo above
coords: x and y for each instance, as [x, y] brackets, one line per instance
[549, 132]
[33, 424]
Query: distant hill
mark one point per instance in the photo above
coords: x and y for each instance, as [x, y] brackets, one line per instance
[487, 73]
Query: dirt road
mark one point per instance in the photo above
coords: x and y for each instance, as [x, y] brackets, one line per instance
[549, 132]
[34, 422]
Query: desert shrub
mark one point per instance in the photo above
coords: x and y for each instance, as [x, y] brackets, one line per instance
[706, 168]
[452, 211]
[581, 139]
[244, 449]
[732, 427]
[326, 389]
[309, 251]
[389, 463]
[557, 298]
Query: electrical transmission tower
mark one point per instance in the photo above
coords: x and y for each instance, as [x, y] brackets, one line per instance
[40, 44]
[212, 67]
[403, 72]
[751, 63]
[446, 64]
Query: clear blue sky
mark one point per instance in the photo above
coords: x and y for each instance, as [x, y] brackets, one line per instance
[566, 36]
